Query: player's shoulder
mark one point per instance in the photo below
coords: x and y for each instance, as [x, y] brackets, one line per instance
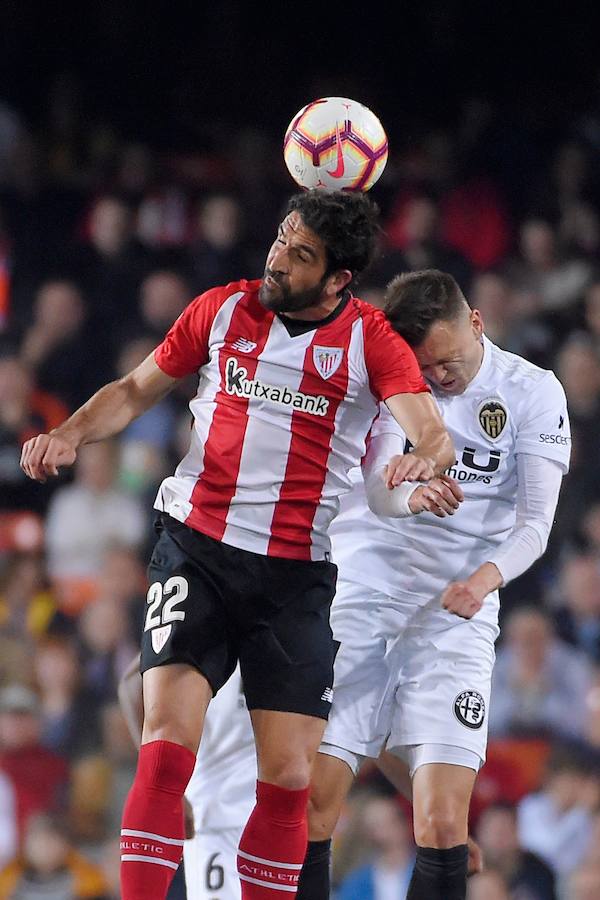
[368, 313]
[376, 324]
[518, 375]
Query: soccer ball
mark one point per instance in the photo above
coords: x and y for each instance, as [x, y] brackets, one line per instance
[335, 144]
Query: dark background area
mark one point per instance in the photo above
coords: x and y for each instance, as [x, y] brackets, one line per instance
[172, 73]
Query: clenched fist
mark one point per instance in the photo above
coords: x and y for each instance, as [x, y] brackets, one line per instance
[465, 598]
[45, 454]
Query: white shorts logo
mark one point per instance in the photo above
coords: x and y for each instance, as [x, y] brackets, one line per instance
[469, 709]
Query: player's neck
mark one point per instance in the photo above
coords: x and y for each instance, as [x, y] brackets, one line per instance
[315, 313]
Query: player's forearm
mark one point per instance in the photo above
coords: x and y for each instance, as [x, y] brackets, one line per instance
[108, 412]
[486, 578]
[435, 444]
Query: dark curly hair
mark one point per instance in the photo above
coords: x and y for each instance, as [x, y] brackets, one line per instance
[346, 222]
[414, 301]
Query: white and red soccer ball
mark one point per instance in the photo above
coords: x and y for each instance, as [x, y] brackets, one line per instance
[335, 144]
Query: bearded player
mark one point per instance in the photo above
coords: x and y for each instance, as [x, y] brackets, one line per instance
[416, 608]
[291, 369]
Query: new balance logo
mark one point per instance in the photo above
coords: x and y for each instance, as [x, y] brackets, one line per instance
[327, 695]
[238, 384]
[243, 345]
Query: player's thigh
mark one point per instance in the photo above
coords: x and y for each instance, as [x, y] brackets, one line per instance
[286, 646]
[363, 621]
[185, 621]
[331, 781]
[443, 695]
[210, 865]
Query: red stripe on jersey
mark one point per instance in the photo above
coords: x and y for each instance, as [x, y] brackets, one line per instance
[310, 446]
[217, 482]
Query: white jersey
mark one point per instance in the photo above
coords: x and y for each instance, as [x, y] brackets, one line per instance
[510, 407]
[282, 413]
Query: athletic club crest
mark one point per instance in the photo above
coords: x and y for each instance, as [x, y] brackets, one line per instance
[160, 636]
[492, 417]
[327, 360]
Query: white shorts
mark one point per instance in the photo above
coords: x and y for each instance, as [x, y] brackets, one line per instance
[210, 861]
[409, 675]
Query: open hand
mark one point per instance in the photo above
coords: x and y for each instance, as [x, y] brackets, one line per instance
[408, 467]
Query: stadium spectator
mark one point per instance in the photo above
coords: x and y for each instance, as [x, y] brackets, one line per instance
[56, 345]
[70, 724]
[556, 822]
[164, 295]
[492, 296]
[38, 776]
[556, 281]
[27, 606]
[50, 867]
[24, 411]
[107, 647]
[389, 872]
[525, 873]
[539, 683]
[110, 266]
[590, 530]
[415, 243]
[218, 253]
[84, 519]
[578, 617]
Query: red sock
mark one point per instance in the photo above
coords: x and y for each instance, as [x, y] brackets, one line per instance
[152, 834]
[273, 845]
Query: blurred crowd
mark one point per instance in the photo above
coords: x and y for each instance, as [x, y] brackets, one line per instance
[102, 244]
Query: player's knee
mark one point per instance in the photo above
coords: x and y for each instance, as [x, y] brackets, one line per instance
[160, 727]
[291, 773]
[441, 827]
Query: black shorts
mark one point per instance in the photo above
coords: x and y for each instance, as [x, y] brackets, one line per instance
[210, 605]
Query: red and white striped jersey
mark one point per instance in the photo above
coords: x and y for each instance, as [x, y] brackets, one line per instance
[280, 417]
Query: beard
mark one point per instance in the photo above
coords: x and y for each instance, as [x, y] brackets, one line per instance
[281, 299]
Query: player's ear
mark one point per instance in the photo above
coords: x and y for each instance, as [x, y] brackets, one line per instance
[477, 322]
[340, 279]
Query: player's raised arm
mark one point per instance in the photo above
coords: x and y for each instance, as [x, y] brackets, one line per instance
[419, 418]
[105, 414]
[183, 351]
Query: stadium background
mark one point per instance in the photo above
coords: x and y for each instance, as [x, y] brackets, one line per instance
[140, 163]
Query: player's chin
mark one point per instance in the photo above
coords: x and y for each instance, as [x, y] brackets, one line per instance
[271, 297]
